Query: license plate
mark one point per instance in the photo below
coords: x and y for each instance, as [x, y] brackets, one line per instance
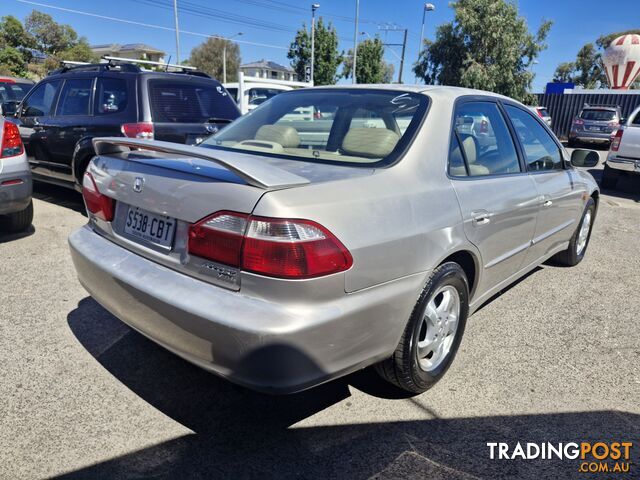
[594, 129]
[150, 227]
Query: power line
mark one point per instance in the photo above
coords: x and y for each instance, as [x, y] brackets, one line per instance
[148, 25]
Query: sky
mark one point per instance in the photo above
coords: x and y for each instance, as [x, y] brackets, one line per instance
[268, 26]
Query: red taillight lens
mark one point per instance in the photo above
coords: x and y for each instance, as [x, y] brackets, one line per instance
[11, 141]
[98, 204]
[269, 246]
[615, 143]
[219, 237]
[142, 130]
[578, 121]
[539, 112]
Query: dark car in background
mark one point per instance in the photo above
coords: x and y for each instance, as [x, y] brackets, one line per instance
[63, 113]
[12, 91]
[595, 124]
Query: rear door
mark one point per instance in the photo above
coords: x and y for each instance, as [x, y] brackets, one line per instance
[498, 199]
[187, 109]
[71, 122]
[560, 196]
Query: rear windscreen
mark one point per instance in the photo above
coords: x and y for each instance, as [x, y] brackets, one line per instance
[543, 112]
[13, 92]
[598, 115]
[190, 102]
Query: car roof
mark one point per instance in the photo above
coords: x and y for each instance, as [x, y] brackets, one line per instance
[5, 78]
[424, 89]
[600, 107]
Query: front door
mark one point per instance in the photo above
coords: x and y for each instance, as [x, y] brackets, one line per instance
[499, 201]
[560, 198]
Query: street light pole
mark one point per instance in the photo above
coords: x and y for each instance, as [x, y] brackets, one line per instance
[355, 44]
[224, 56]
[175, 19]
[428, 7]
[314, 7]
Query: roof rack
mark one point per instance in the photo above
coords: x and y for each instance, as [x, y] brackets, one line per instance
[599, 105]
[186, 69]
[68, 65]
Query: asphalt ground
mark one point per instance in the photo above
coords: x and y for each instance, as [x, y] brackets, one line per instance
[555, 358]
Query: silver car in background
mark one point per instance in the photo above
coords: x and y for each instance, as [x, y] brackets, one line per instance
[281, 253]
[543, 113]
[16, 207]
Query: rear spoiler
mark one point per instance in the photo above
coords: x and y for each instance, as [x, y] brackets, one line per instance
[254, 171]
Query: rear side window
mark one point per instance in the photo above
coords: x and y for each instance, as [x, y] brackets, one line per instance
[111, 96]
[598, 115]
[75, 98]
[482, 138]
[541, 152]
[544, 112]
[13, 92]
[189, 102]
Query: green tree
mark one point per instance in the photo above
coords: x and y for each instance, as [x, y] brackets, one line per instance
[12, 62]
[12, 33]
[327, 56]
[371, 67]
[487, 46]
[49, 36]
[80, 52]
[564, 72]
[207, 57]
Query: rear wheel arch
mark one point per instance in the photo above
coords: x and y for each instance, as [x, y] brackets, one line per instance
[82, 155]
[470, 264]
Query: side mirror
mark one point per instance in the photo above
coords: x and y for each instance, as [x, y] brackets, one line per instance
[584, 158]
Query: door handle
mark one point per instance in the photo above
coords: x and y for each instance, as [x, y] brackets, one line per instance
[547, 203]
[481, 218]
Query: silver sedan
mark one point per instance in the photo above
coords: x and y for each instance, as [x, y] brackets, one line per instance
[285, 252]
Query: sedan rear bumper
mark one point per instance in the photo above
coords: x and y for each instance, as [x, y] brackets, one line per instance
[15, 191]
[267, 346]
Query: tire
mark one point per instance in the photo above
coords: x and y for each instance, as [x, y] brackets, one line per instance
[609, 178]
[407, 368]
[574, 254]
[18, 221]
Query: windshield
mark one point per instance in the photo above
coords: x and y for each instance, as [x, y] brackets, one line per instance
[13, 92]
[190, 102]
[345, 126]
[598, 115]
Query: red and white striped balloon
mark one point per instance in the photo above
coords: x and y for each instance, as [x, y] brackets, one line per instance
[622, 61]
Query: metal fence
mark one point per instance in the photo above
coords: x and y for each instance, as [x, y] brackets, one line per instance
[564, 108]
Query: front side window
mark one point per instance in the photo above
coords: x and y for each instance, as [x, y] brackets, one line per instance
[540, 150]
[39, 103]
[111, 96]
[190, 102]
[75, 98]
[345, 126]
[481, 143]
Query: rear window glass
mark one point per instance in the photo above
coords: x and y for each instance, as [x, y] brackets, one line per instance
[13, 92]
[344, 126]
[190, 102]
[598, 115]
[111, 95]
[544, 112]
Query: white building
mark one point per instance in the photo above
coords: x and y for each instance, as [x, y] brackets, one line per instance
[134, 51]
[268, 69]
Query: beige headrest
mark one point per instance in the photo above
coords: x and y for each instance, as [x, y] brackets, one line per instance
[370, 142]
[469, 145]
[284, 135]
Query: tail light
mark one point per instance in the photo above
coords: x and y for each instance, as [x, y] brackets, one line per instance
[274, 247]
[578, 121]
[142, 130]
[539, 112]
[615, 143]
[11, 141]
[98, 204]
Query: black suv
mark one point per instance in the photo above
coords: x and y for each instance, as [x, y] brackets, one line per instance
[65, 111]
